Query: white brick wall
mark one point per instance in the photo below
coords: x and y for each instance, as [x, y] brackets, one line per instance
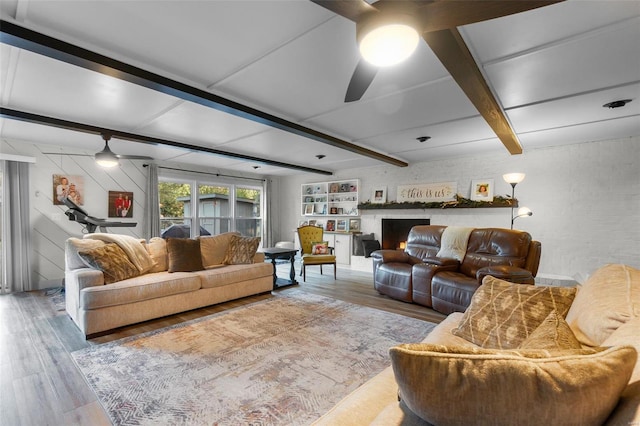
[585, 199]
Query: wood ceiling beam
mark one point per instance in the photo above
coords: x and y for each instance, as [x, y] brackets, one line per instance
[24, 38]
[88, 128]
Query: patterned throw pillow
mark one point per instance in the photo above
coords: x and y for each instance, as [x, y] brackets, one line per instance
[500, 387]
[503, 314]
[111, 260]
[321, 247]
[553, 333]
[241, 250]
[184, 255]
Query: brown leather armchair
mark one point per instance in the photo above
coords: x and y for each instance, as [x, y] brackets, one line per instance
[417, 275]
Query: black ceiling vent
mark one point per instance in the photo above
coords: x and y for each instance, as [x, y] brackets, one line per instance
[617, 104]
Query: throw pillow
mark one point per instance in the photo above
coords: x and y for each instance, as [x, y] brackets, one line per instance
[184, 255]
[320, 247]
[454, 385]
[157, 249]
[111, 260]
[214, 248]
[74, 245]
[607, 300]
[358, 248]
[370, 246]
[503, 314]
[241, 250]
[553, 333]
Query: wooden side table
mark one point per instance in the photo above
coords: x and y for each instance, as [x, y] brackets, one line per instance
[275, 253]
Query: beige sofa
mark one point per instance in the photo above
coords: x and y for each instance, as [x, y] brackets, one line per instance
[155, 292]
[604, 313]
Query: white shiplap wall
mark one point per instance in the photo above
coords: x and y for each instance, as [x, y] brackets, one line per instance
[50, 227]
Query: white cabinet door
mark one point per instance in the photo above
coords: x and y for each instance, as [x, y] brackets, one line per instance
[343, 248]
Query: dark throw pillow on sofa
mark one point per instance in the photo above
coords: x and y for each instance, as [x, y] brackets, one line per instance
[184, 255]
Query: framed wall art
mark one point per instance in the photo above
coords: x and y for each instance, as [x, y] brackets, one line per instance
[68, 186]
[379, 195]
[120, 204]
[482, 190]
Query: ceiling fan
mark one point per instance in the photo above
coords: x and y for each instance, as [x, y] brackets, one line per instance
[106, 157]
[436, 22]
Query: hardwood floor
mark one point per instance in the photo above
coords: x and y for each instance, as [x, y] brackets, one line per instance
[40, 384]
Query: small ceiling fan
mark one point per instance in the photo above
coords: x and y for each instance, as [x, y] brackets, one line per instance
[106, 157]
[436, 22]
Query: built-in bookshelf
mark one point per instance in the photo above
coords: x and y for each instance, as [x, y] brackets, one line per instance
[337, 198]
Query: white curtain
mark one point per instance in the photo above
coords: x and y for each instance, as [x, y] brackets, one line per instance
[267, 240]
[152, 224]
[16, 228]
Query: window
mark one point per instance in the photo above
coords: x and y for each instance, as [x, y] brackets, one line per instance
[220, 207]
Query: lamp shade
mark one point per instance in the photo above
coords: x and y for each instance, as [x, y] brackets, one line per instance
[513, 178]
[387, 39]
[524, 211]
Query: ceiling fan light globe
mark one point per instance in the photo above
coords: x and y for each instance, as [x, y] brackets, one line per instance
[388, 45]
[107, 160]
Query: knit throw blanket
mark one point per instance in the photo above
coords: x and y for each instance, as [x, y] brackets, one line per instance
[454, 242]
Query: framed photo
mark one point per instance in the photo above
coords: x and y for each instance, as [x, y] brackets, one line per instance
[331, 225]
[341, 225]
[354, 225]
[120, 204]
[482, 189]
[308, 209]
[333, 210]
[379, 195]
[335, 187]
[66, 186]
[340, 210]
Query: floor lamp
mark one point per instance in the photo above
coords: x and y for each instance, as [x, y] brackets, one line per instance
[513, 179]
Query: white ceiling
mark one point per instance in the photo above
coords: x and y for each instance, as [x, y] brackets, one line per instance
[551, 69]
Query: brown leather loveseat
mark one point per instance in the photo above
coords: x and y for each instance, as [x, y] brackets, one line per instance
[446, 284]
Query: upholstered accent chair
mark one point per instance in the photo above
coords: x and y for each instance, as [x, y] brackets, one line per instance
[314, 250]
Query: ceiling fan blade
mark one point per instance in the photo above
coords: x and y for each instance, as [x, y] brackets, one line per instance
[440, 15]
[360, 80]
[350, 9]
[133, 157]
[64, 153]
[452, 51]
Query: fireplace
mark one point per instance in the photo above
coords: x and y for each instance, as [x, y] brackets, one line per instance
[396, 231]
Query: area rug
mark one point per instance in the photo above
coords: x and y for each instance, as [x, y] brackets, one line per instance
[282, 361]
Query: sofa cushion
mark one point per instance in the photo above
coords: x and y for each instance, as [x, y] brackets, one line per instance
[214, 248]
[231, 274]
[553, 333]
[144, 287]
[111, 260]
[453, 386]
[157, 249]
[184, 255]
[607, 300]
[502, 314]
[71, 248]
[241, 250]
